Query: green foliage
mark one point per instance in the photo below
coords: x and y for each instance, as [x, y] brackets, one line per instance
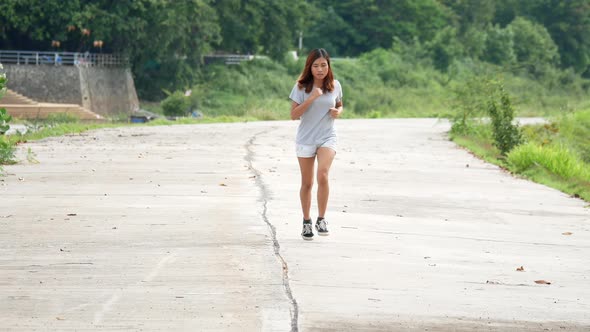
[385, 82]
[166, 40]
[568, 22]
[254, 87]
[36, 21]
[353, 27]
[499, 46]
[260, 27]
[476, 98]
[176, 104]
[555, 153]
[4, 120]
[574, 132]
[556, 159]
[476, 14]
[469, 102]
[57, 118]
[398, 82]
[533, 44]
[445, 48]
[6, 147]
[474, 42]
[506, 134]
[7, 150]
[374, 115]
[570, 130]
[2, 81]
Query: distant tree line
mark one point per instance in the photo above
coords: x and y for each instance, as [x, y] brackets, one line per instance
[166, 39]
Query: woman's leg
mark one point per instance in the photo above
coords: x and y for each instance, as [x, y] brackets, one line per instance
[306, 165]
[325, 158]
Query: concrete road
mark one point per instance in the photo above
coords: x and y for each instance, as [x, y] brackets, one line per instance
[197, 228]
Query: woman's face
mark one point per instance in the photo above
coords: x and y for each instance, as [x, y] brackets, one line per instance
[319, 68]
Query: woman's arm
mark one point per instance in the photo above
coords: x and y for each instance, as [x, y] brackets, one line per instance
[297, 110]
[336, 111]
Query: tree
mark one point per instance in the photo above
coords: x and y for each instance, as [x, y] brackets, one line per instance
[499, 46]
[33, 24]
[281, 24]
[363, 25]
[258, 26]
[568, 23]
[444, 48]
[323, 33]
[165, 40]
[533, 44]
[477, 14]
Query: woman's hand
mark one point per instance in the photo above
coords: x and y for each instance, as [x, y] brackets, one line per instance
[316, 92]
[335, 112]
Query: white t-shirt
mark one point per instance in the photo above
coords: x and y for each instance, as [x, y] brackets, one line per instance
[316, 126]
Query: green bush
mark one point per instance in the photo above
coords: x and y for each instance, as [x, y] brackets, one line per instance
[7, 150]
[4, 117]
[506, 134]
[6, 147]
[477, 98]
[4, 120]
[176, 104]
[469, 102]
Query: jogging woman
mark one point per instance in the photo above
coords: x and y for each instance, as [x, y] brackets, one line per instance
[317, 102]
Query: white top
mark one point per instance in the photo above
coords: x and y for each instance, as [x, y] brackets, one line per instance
[316, 126]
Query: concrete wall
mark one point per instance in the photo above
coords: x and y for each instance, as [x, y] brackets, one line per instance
[106, 91]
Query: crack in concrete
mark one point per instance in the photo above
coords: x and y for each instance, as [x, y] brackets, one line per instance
[264, 197]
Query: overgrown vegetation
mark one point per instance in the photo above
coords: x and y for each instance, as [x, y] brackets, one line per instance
[556, 153]
[6, 147]
[167, 40]
[175, 105]
[506, 134]
[397, 82]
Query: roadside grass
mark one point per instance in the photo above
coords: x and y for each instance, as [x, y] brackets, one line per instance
[54, 130]
[553, 165]
[555, 154]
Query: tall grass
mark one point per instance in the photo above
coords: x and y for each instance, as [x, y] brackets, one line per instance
[556, 153]
[574, 131]
[555, 159]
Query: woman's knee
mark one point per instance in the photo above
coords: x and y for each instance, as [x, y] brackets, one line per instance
[306, 185]
[322, 176]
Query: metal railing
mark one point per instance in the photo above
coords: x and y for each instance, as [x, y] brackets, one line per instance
[63, 59]
[228, 59]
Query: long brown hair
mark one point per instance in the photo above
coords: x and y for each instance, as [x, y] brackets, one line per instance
[306, 78]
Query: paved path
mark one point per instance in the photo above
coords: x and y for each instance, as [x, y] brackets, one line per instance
[197, 228]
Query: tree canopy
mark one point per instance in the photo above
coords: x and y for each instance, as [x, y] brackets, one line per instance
[166, 40]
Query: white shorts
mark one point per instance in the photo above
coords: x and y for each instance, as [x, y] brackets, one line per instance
[309, 151]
